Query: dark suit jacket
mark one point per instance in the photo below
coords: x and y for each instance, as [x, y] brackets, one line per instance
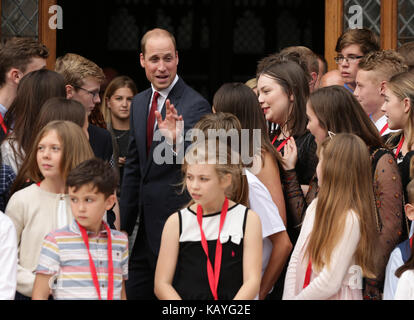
[150, 189]
[101, 142]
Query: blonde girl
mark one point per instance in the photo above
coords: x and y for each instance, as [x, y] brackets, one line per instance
[214, 227]
[335, 246]
[44, 206]
[399, 101]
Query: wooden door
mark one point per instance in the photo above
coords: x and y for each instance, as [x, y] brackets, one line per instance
[29, 18]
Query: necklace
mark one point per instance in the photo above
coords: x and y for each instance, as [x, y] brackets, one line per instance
[117, 137]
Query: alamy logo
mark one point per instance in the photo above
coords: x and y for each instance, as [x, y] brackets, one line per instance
[56, 20]
[356, 21]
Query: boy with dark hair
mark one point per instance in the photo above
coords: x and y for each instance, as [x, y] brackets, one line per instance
[85, 260]
[351, 46]
[18, 57]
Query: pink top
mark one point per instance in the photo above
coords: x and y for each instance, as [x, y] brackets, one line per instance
[341, 281]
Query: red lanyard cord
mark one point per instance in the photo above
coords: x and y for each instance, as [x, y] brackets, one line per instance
[384, 128]
[110, 295]
[2, 124]
[399, 147]
[213, 276]
[280, 147]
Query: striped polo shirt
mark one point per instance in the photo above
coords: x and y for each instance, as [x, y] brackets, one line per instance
[65, 257]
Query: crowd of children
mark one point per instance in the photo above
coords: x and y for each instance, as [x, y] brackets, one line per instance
[315, 202]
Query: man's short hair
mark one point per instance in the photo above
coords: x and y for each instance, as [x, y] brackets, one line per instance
[157, 32]
[18, 53]
[96, 172]
[75, 68]
[407, 51]
[366, 39]
[385, 63]
[309, 58]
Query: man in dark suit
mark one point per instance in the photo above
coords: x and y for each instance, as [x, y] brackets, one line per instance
[150, 190]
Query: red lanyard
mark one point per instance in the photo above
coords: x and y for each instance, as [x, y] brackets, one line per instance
[399, 147]
[308, 274]
[110, 295]
[384, 128]
[280, 147]
[2, 124]
[213, 276]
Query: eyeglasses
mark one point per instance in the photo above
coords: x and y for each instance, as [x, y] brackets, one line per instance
[348, 59]
[93, 93]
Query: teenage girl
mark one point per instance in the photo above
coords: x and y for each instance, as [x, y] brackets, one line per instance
[213, 248]
[44, 206]
[337, 232]
[334, 110]
[399, 101]
[116, 104]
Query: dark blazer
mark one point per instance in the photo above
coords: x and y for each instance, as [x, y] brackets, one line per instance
[149, 189]
[101, 142]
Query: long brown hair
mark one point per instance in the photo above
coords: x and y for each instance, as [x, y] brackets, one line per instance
[339, 111]
[346, 185]
[292, 77]
[115, 84]
[33, 91]
[238, 99]
[75, 149]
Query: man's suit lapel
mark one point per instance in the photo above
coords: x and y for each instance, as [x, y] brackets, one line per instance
[174, 97]
[142, 127]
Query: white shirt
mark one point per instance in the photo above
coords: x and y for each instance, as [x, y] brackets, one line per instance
[260, 201]
[395, 261]
[162, 97]
[405, 288]
[380, 123]
[8, 258]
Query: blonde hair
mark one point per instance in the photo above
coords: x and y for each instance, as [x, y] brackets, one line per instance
[224, 163]
[385, 63]
[346, 185]
[157, 32]
[115, 84]
[402, 85]
[75, 68]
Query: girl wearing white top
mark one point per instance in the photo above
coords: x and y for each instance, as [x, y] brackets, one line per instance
[43, 207]
[335, 246]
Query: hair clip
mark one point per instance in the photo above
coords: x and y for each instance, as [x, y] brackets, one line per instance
[331, 134]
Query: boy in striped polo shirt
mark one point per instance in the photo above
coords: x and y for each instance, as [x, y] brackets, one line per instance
[85, 260]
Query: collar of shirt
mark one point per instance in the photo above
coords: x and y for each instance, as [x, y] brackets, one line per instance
[163, 94]
[75, 228]
[3, 110]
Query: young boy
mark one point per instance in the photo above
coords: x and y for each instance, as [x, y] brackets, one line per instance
[375, 69]
[75, 262]
[402, 252]
[351, 46]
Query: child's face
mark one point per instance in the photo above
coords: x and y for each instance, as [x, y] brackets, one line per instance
[314, 126]
[120, 103]
[89, 206]
[349, 68]
[205, 186]
[49, 155]
[395, 110]
[368, 91]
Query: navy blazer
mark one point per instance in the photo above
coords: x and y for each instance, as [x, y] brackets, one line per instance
[149, 189]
